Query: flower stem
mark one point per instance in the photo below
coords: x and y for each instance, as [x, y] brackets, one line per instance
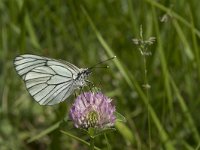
[91, 143]
[147, 94]
[91, 132]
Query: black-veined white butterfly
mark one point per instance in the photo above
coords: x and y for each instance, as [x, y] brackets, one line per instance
[50, 81]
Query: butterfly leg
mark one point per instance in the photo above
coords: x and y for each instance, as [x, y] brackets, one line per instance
[90, 83]
[75, 94]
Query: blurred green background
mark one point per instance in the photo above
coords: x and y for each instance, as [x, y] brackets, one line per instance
[86, 32]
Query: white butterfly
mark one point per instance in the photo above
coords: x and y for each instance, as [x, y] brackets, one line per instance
[50, 81]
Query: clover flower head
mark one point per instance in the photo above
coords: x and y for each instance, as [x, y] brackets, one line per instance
[92, 110]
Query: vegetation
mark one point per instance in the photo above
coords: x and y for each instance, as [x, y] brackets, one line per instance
[163, 116]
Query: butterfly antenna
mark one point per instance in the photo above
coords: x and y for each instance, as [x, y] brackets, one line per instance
[101, 62]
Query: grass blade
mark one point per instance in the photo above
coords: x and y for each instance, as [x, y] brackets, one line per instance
[45, 132]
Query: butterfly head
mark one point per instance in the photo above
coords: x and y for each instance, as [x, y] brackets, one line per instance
[81, 79]
[84, 73]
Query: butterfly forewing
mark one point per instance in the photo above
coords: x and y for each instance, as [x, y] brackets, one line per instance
[49, 81]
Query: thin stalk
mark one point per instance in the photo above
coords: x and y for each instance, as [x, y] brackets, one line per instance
[147, 95]
[78, 139]
[144, 52]
[107, 142]
[91, 143]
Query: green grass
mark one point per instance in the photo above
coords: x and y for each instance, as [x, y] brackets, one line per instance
[85, 32]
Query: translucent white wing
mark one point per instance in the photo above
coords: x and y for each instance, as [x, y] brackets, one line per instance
[48, 80]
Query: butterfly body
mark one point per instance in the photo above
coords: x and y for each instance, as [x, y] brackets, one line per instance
[50, 81]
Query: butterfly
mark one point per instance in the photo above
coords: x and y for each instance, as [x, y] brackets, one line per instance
[50, 81]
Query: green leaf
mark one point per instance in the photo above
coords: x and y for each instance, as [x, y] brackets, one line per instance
[104, 131]
[119, 117]
[91, 131]
[125, 132]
